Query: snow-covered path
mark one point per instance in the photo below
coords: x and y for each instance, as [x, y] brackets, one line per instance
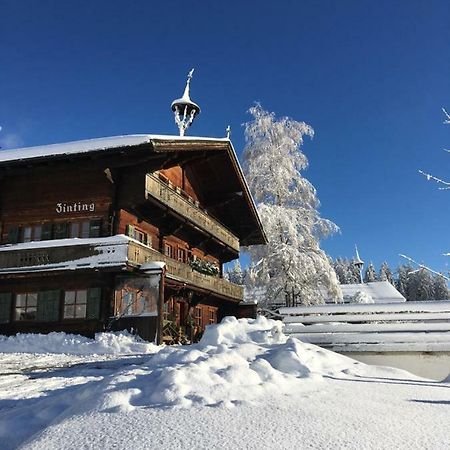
[244, 387]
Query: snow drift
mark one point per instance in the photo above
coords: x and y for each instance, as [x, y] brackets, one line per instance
[238, 363]
[104, 344]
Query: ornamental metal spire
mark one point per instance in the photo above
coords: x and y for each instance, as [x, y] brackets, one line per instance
[358, 263]
[184, 108]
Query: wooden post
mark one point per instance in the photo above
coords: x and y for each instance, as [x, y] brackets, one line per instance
[159, 330]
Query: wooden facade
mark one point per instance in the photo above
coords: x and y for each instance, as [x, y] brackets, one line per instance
[81, 223]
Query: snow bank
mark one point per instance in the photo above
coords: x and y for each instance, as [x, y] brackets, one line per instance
[238, 363]
[233, 331]
[104, 344]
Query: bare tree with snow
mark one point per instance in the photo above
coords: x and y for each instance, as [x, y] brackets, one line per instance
[443, 184]
[292, 267]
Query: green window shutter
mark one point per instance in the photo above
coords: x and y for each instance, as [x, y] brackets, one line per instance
[48, 306]
[60, 230]
[94, 297]
[46, 232]
[13, 234]
[5, 307]
[129, 231]
[95, 227]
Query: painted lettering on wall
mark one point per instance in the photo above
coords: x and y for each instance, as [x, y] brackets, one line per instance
[62, 208]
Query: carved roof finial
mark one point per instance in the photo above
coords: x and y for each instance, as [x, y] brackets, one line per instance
[184, 108]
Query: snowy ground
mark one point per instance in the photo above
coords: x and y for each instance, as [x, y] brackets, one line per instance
[245, 386]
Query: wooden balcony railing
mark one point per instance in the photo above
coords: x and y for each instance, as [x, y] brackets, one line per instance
[140, 254]
[168, 196]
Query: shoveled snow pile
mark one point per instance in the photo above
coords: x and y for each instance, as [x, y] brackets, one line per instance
[118, 343]
[246, 367]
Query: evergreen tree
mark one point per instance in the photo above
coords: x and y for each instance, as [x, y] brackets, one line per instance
[340, 268]
[292, 267]
[370, 274]
[385, 273]
[235, 274]
[441, 291]
[424, 283]
[346, 271]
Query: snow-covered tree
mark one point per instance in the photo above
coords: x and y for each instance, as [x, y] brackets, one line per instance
[346, 271]
[402, 280]
[235, 274]
[370, 274]
[292, 267]
[385, 273]
[424, 283]
[441, 291]
[444, 184]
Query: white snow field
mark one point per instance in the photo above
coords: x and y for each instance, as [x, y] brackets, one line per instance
[244, 386]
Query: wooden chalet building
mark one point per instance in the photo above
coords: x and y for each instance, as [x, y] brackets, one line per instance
[129, 232]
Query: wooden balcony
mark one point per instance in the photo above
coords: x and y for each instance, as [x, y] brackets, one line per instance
[175, 201]
[176, 270]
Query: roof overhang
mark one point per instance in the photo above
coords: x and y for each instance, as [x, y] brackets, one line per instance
[211, 160]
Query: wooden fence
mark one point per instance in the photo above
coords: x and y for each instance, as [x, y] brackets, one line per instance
[409, 326]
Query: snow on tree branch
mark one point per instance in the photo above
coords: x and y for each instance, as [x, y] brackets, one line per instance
[438, 180]
[428, 176]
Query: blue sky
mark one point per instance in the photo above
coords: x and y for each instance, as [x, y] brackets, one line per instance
[370, 77]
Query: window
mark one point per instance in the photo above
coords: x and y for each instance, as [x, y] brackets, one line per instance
[32, 233]
[37, 232]
[27, 233]
[168, 250]
[26, 306]
[212, 316]
[181, 254]
[138, 296]
[85, 229]
[137, 234]
[75, 304]
[60, 230]
[198, 316]
[74, 230]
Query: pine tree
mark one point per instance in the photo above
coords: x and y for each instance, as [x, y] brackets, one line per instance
[291, 267]
[424, 283]
[340, 268]
[385, 273]
[402, 282]
[441, 291]
[235, 274]
[370, 274]
[346, 271]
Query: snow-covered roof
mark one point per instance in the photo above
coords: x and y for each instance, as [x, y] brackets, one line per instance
[91, 145]
[380, 291]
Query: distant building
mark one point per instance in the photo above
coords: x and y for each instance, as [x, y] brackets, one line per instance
[379, 291]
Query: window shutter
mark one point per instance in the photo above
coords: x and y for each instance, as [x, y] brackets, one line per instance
[46, 232]
[60, 230]
[5, 307]
[94, 296]
[13, 234]
[95, 228]
[129, 231]
[48, 306]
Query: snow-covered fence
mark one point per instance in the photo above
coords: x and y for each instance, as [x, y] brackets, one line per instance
[409, 326]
